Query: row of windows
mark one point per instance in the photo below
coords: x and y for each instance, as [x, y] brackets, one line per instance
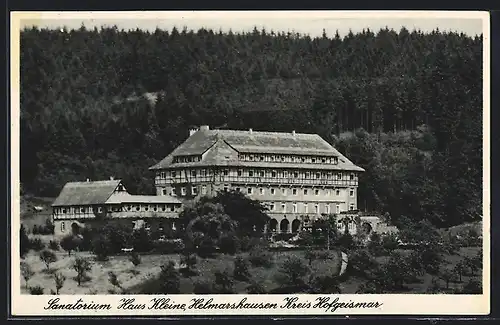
[187, 159]
[258, 173]
[304, 208]
[289, 158]
[138, 207]
[262, 191]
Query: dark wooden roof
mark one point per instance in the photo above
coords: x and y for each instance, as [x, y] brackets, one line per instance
[216, 144]
[86, 193]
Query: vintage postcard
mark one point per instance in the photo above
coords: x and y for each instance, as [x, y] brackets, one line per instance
[250, 163]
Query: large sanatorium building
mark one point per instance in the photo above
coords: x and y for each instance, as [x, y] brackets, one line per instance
[298, 176]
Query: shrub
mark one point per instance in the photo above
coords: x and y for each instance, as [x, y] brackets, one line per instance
[113, 279]
[48, 257]
[323, 255]
[241, 269]
[431, 260]
[141, 241]
[26, 272]
[390, 242]
[36, 230]
[206, 248]
[260, 257]
[310, 255]
[223, 282]
[346, 241]
[59, 280]
[37, 244]
[202, 287]
[169, 278]
[135, 258]
[81, 266]
[101, 247]
[374, 245]
[37, 290]
[170, 246]
[256, 288]
[25, 243]
[189, 261]
[323, 284]
[292, 271]
[54, 245]
[361, 263]
[68, 244]
[283, 236]
[229, 244]
[472, 287]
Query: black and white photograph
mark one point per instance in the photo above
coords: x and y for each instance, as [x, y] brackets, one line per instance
[254, 154]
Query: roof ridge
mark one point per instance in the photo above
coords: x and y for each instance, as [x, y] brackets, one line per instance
[265, 132]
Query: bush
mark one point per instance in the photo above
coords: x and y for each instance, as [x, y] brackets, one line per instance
[292, 271]
[141, 241]
[202, 287]
[374, 245]
[241, 269]
[68, 244]
[248, 243]
[59, 279]
[25, 243]
[256, 288]
[135, 258]
[189, 261]
[206, 248]
[361, 263]
[54, 245]
[37, 290]
[48, 257]
[310, 255]
[283, 236]
[169, 246]
[323, 255]
[26, 272]
[390, 242]
[322, 284]
[113, 279]
[101, 247]
[169, 278]
[223, 282]
[35, 230]
[260, 257]
[37, 244]
[472, 287]
[229, 244]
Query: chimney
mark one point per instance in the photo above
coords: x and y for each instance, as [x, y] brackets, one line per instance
[204, 128]
[192, 131]
[111, 178]
[293, 132]
[250, 130]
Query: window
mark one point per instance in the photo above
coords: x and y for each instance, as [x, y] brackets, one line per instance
[203, 190]
[294, 191]
[63, 227]
[316, 208]
[240, 172]
[306, 208]
[339, 176]
[283, 207]
[249, 190]
[63, 210]
[155, 208]
[294, 208]
[273, 173]
[164, 191]
[146, 208]
[283, 191]
[225, 172]
[272, 207]
[250, 173]
[351, 206]
[352, 177]
[305, 191]
[82, 210]
[285, 174]
[307, 174]
[337, 192]
[313, 160]
[99, 209]
[273, 191]
[137, 208]
[261, 174]
[183, 191]
[174, 173]
[327, 192]
[323, 160]
[163, 208]
[316, 192]
[296, 174]
[337, 208]
[193, 173]
[203, 172]
[238, 189]
[327, 209]
[194, 190]
[318, 175]
[172, 191]
[172, 208]
[351, 193]
[261, 191]
[163, 175]
[226, 188]
[261, 158]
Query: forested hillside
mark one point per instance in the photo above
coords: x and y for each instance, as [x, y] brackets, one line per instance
[405, 105]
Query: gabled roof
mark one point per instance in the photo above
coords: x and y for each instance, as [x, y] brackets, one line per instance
[250, 141]
[86, 193]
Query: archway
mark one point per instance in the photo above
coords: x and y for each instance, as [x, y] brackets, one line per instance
[75, 228]
[366, 228]
[273, 225]
[295, 225]
[284, 225]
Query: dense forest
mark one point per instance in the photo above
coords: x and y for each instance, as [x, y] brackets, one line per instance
[405, 105]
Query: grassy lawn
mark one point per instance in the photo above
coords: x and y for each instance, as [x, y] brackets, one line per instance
[127, 274]
[261, 275]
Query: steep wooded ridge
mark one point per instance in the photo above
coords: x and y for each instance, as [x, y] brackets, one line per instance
[404, 105]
